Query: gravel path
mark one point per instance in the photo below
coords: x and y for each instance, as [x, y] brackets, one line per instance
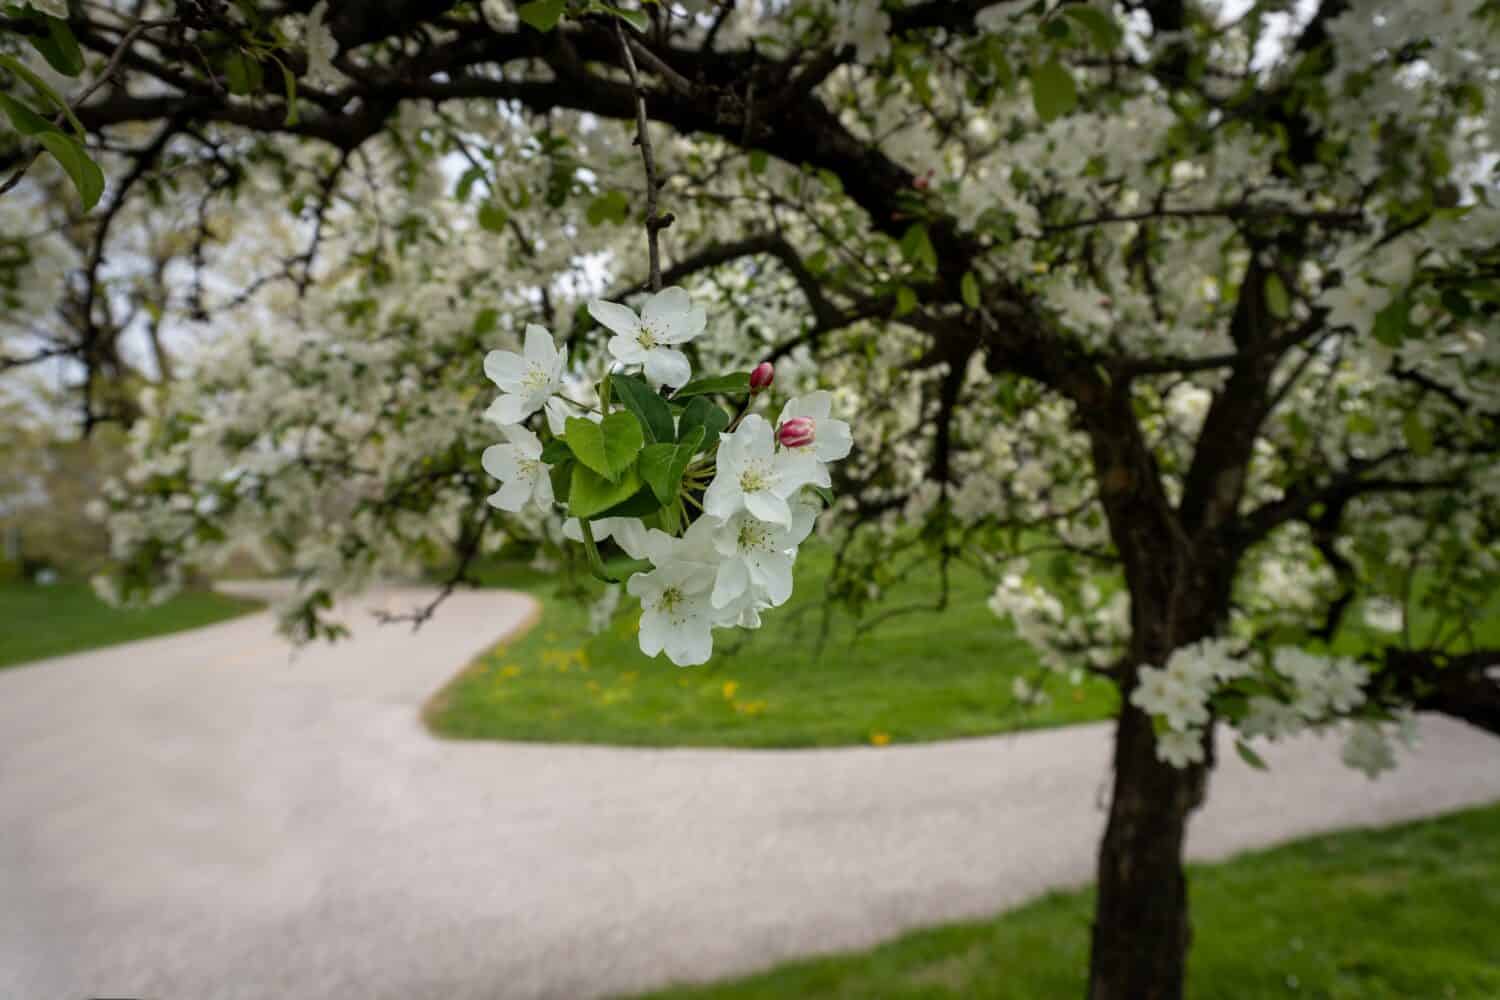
[203, 816]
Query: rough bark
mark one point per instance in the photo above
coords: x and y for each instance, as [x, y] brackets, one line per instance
[1141, 931]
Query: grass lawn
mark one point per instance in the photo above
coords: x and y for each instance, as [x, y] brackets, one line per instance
[920, 676]
[36, 622]
[1410, 911]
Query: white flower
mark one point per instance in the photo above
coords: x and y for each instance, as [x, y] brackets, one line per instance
[1384, 614]
[864, 25]
[832, 439]
[1367, 749]
[668, 317]
[519, 467]
[757, 557]
[321, 48]
[676, 614]
[1172, 696]
[527, 382]
[752, 475]
[602, 611]
[1180, 748]
[1270, 718]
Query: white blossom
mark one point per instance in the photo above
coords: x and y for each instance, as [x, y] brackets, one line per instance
[527, 381]
[832, 439]
[668, 318]
[752, 475]
[519, 467]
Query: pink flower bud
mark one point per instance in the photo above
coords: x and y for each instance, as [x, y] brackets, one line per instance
[797, 432]
[762, 376]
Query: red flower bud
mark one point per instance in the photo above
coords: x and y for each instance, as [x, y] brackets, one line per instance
[797, 432]
[762, 376]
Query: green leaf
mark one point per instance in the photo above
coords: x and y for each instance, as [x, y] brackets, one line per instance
[1053, 91]
[42, 87]
[1249, 756]
[1393, 323]
[58, 46]
[969, 289]
[662, 465]
[289, 84]
[1418, 437]
[561, 475]
[243, 73]
[702, 413]
[906, 300]
[641, 504]
[732, 384]
[493, 216]
[590, 494]
[25, 120]
[1099, 24]
[84, 172]
[825, 494]
[556, 452]
[1277, 299]
[916, 246]
[608, 447]
[542, 15]
[637, 19]
[759, 159]
[612, 206]
[485, 320]
[649, 408]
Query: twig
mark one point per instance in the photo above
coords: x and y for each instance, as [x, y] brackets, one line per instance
[654, 223]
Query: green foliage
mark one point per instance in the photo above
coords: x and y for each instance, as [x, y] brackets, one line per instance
[592, 495]
[647, 405]
[1053, 92]
[81, 170]
[701, 412]
[56, 44]
[610, 207]
[608, 447]
[735, 383]
[542, 15]
[1102, 28]
[662, 465]
[969, 289]
[1405, 912]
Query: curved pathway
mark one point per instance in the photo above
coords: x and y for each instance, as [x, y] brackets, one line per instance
[206, 816]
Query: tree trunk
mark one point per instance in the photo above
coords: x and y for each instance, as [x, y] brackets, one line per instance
[1141, 928]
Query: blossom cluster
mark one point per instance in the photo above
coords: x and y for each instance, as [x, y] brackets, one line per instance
[1298, 690]
[711, 507]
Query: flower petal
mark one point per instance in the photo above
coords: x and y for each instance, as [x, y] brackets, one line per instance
[512, 496]
[834, 440]
[619, 319]
[506, 369]
[508, 409]
[539, 346]
[665, 366]
[723, 496]
[502, 462]
[729, 582]
[768, 507]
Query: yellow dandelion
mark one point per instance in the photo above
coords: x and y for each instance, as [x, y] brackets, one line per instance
[879, 739]
[510, 670]
[730, 687]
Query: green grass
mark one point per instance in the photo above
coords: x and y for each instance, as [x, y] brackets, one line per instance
[37, 622]
[920, 676]
[1411, 911]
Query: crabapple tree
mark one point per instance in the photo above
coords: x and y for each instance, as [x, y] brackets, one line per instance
[1177, 317]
